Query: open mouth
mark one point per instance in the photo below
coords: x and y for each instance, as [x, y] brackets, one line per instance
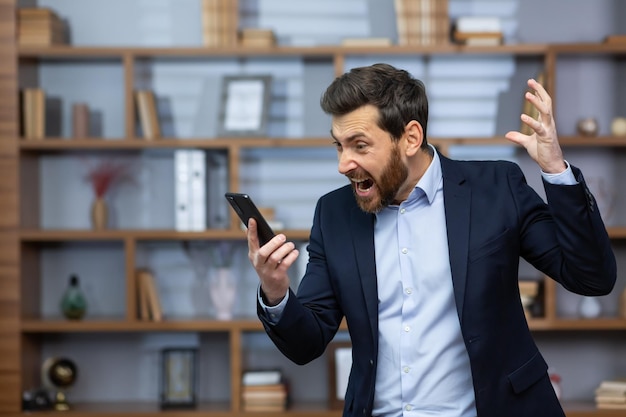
[363, 186]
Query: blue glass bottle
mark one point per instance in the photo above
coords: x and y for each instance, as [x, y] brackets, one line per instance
[73, 303]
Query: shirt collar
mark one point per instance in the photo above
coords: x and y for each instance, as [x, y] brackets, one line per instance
[430, 181]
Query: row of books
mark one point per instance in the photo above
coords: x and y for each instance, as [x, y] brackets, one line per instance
[611, 394]
[264, 391]
[219, 22]
[422, 22]
[39, 26]
[201, 180]
[33, 107]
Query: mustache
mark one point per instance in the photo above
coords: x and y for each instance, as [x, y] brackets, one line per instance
[358, 173]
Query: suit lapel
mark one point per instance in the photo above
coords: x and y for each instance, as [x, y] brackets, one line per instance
[362, 226]
[456, 196]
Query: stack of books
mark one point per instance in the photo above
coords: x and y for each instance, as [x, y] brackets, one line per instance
[478, 31]
[219, 22]
[422, 22]
[251, 37]
[611, 394]
[39, 26]
[264, 391]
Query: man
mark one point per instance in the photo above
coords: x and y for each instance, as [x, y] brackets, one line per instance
[420, 254]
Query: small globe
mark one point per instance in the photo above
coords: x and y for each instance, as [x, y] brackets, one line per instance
[62, 373]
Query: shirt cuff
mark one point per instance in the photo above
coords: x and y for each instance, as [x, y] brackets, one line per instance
[563, 178]
[274, 313]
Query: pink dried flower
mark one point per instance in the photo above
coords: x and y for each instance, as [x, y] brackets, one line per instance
[106, 174]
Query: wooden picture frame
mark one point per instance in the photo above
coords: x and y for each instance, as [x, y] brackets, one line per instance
[339, 364]
[244, 106]
[178, 378]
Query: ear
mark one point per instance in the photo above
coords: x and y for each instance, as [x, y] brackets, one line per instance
[414, 135]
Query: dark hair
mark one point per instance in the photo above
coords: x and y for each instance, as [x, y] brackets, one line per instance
[398, 96]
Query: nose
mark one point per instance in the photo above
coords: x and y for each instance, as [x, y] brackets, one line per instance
[346, 162]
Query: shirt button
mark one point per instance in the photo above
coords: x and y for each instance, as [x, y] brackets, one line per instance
[408, 407]
[405, 250]
[408, 290]
[402, 211]
[406, 369]
[407, 328]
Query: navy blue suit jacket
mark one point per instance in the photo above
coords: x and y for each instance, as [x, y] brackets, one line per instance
[493, 218]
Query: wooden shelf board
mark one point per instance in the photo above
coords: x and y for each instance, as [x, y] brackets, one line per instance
[218, 409]
[122, 325]
[107, 235]
[253, 325]
[600, 324]
[221, 409]
[91, 52]
[589, 48]
[34, 235]
[66, 144]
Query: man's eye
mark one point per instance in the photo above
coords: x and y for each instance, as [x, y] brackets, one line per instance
[360, 146]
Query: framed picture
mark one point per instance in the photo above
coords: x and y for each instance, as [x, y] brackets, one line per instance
[178, 378]
[245, 105]
[339, 365]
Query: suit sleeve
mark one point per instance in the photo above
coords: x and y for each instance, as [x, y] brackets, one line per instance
[568, 242]
[310, 319]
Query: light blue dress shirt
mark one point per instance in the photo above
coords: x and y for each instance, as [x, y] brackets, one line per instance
[423, 366]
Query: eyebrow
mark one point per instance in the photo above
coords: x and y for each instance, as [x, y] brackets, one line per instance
[349, 138]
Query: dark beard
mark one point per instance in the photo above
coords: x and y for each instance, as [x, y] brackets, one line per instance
[393, 176]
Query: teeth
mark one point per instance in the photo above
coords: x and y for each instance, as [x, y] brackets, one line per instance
[359, 184]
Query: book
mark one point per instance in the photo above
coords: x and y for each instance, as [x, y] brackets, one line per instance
[39, 26]
[148, 114]
[262, 377]
[612, 385]
[366, 42]
[33, 113]
[257, 37]
[148, 285]
[198, 190]
[142, 297]
[611, 406]
[478, 24]
[182, 196]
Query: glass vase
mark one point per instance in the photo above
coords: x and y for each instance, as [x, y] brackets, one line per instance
[73, 302]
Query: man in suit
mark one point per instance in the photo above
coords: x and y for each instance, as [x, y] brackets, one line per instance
[420, 254]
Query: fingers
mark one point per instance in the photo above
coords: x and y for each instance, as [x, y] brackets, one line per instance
[541, 100]
[274, 254]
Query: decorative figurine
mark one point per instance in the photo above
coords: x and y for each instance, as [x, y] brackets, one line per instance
[59, 374]
[73, 303]
[587, 126]
[618, 126]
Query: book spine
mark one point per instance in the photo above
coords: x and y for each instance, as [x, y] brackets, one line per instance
[80, 120]
[182, 176]
[197, 190]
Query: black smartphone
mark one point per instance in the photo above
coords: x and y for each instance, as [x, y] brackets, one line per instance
[246, 209]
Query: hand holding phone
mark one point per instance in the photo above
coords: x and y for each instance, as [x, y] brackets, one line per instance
[246, 209]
